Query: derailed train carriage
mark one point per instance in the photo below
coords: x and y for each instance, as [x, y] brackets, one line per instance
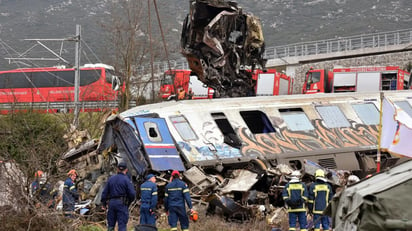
[237, 144]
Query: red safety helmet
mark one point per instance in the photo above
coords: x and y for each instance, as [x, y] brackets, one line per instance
[72, 172]
[194, 216]
[38, 174]
[175, 172]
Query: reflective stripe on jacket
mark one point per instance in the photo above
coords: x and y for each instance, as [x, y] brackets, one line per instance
[148, 192]
[320, 193]
[294, 192]
[176, 194]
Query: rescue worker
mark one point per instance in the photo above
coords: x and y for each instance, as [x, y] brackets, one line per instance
[176, 194]
[190, 94]
[35, 185]
[295, 196]
[70, 194]
[181, 94]
[320, 194]
[118, 194]
[148, 205]
[42, 190]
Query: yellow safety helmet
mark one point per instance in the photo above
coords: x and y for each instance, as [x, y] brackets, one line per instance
[319, 173]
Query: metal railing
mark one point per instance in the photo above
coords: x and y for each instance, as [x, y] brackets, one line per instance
[63, 106]
[352, 43]
[341, 44]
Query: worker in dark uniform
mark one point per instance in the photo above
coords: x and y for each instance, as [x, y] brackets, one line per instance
[176, 194]
[42, 190]
[70, 194]
[295, 195]
[148, 192]
[117, 195]
[320, 194]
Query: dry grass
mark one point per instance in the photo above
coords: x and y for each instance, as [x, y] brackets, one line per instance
[214, 223]
[51, 220]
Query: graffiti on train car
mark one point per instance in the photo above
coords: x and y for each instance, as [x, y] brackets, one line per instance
[282, 141]
[321, 138]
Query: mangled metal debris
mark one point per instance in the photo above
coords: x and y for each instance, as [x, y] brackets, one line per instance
[221, 42]
[242, 183]
[237, 193]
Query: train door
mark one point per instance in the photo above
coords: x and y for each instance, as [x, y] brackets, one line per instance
[158, 144]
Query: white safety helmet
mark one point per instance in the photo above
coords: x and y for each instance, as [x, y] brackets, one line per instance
[295, 176]
[353, 179]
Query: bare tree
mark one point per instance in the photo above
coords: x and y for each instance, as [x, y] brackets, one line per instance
[127, 29]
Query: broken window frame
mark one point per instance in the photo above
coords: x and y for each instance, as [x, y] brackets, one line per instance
[183, 127]
[296, 119]
[405, 105]
[229, 134]
[332, 116]
[261, 125]
[368, 113]
[152, 127]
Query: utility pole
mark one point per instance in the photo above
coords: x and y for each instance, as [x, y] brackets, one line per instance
[77, 77]
[60, 58]
[151, 51]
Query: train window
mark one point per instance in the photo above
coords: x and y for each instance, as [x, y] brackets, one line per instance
[295, 164]
[367, 112]
[183, 128]
[405, 106]
[332, 116]
[257, 122]
[296, 119]
[229, 134]
[152, 132]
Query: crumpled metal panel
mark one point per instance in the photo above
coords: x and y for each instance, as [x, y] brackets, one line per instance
[243, 182]
[220, 42]
[124, 135]
[230, 208]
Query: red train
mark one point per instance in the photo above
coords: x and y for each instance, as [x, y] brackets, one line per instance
[51, 89]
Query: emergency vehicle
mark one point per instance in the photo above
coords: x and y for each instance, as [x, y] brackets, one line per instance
[271, 82]
[356, 79]
[175, 81]
[268, 83]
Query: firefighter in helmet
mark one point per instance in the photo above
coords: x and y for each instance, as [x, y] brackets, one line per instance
[320, 194]
[35, 185]
[295, 196]
[177, 193]
[70, 194]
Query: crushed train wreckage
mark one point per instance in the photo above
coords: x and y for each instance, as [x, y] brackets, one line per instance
[229, 155]
[220, 42]
[236, 157]
[241, 195]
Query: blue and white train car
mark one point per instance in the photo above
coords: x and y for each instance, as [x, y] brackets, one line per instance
[336, 131]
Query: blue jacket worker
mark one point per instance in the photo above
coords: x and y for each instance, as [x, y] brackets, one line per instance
[148, 192]
[295, 195]
[70, 194]
[176, 194]
[117, 195]
[320, 194]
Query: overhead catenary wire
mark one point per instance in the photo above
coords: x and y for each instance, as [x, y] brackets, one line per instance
[8, 48]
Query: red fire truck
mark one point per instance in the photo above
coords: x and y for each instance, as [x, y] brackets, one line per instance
[175, 81]
[356, 79]
[267, 83]
[272, 82]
